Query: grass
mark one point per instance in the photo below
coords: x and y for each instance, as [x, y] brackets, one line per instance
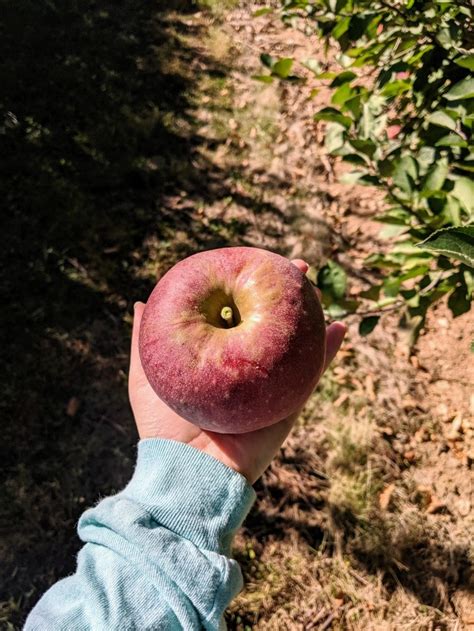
[338, 559]
[219, 8]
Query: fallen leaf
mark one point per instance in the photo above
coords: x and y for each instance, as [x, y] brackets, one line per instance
[456, 425]
[453, 434]
[385, 496]
[435, 506]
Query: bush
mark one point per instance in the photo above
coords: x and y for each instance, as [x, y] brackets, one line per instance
[405, 127]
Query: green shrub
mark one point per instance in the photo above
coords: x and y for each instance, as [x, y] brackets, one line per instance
[405, 127]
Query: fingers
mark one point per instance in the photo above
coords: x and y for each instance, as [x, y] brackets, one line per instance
[135, 363]
[301, 265]
[334, 336]
[335, 332]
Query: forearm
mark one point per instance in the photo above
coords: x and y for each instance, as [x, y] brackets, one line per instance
[156, 554]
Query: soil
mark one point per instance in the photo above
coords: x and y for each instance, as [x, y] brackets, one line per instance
[365, 519]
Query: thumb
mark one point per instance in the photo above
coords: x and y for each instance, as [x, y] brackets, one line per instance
[334, 336]
[136, 370]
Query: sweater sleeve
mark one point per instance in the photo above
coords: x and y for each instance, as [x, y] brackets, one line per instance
[157, 554]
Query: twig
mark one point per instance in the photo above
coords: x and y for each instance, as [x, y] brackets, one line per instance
[327, 622]
[357, 576]
[394, 307]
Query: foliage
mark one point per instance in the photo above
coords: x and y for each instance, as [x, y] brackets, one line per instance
[405, 124]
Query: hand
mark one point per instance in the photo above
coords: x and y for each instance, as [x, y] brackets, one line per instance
[250, 453]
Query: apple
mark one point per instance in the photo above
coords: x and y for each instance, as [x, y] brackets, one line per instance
[233, 339]
[393, 131]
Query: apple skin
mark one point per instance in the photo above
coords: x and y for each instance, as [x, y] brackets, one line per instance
[243, 378]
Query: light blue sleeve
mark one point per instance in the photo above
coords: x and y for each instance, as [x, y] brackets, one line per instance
[157, 554]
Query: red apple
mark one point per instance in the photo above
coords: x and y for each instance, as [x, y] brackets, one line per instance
[233, 339]
[393, 131]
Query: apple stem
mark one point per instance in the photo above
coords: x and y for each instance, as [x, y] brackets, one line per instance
[228, 316]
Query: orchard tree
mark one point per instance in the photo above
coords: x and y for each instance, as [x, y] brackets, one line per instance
[406, 127]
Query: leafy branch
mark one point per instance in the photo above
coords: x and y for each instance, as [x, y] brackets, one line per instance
[408, 129]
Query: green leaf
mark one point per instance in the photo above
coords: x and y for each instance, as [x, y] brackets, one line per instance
[352, 177]
[335, 311]
[327, 75]
[465, 61]
[353, 105]
[263, 11]
[425, 157]
[267, 60]
[372, 293]
[469, 280]
[263, 78]
[349, 305]
[332, 279]
[343, 77]
[342, 94]
[418, 270]
[368, 324]
[436, 176]
[355, 52]
[391, 286]
[466, 166]
[416, 324]
[365, 146]
[282, 67]
[472, 346]
[369, 180]
[464, 191]
[313, 65]
[355, 158]
[451, 140]
[385, 167]
[457, 301]
[456, 242]
[452, 211]
[341, 27]
[390, 230]
[462, 90]
[405, 173]
[395, 88]
[395, 216]
[337, 5]
[442, 119]
[334, 116]
[334, 138]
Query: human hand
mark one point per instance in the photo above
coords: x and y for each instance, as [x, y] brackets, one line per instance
[250, 453]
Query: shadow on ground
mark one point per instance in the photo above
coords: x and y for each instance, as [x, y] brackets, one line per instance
[418, 557]
[98, 136]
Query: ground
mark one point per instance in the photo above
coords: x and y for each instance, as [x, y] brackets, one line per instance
[137, 136]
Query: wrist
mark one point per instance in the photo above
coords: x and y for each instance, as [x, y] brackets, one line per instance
[190, 492]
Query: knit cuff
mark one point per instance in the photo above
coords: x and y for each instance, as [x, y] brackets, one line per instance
[190, 493]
